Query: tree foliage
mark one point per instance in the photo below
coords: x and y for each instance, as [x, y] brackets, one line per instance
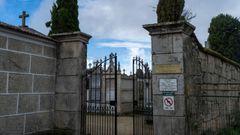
[224, 36]
[64, 17]
[170, 10]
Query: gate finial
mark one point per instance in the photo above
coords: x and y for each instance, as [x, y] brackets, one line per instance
[119, 67]
[89, 65]
[105, 63]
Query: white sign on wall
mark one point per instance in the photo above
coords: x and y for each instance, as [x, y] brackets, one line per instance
[168, 103]
[168, 84]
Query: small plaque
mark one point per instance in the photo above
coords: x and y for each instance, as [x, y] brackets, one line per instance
[168, 69]
[168, 93]
[168, 103]
[168, 84]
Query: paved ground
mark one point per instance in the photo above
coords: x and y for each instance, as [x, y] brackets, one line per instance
[125, 125]
[104, 125]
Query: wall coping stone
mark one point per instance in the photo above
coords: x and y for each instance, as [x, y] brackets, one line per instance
[213, 53]
[187, 28]
[27, 35]
[170, 28]
[72, 36]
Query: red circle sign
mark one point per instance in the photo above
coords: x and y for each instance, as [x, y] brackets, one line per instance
[168, 101]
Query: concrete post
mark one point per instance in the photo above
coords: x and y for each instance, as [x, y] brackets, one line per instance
[72, 58]
[169, 110]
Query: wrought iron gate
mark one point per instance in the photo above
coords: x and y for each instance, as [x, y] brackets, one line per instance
[99, 110]
[142, 98]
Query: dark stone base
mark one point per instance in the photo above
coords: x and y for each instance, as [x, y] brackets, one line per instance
[44, 133]
[55, 132]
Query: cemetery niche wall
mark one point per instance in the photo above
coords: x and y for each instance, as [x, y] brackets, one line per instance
[124, 87]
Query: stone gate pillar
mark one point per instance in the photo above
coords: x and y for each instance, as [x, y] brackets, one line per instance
[71, 65]
[169, 110]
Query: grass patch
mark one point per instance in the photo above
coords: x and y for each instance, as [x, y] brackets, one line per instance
[230, 131]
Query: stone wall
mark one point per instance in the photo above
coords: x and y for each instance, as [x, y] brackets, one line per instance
[212, 88]
[207, 98]
[27, 83]
[207, 68]
[167, 63]
[71, 90]
[126, 94]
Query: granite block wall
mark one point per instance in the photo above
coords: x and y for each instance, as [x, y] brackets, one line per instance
[70, 85]
[27, 83]
[126, 95]
[213, 89]
[168, 62]
[207, 99]
[209, 70]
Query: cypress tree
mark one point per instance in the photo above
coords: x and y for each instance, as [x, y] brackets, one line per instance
[170, 10]
[64, 17]
[224, 36]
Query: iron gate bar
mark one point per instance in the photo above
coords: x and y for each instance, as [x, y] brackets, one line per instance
[116, 93]
[142, 98]
[133, 62]
[99, 103]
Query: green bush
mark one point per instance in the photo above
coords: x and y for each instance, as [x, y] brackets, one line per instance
[64, 17]
[230, 131]
[170, 10]
[224, 36]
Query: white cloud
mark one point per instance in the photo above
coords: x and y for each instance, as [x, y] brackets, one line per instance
[135, 52]
[206, 10]
[125, 44]
[123, 19]
[117, 19]
[41, 16]
[134, 49]
[90, 61]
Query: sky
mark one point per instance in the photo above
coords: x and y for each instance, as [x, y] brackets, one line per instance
[116, 25]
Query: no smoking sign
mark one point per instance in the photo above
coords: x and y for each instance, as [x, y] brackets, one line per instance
[168, 102]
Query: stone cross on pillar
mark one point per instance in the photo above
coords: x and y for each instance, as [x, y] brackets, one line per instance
[24, 16]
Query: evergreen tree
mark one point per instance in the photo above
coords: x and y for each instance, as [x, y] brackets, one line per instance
[170, 10]
[64, 17]
[224, 36]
